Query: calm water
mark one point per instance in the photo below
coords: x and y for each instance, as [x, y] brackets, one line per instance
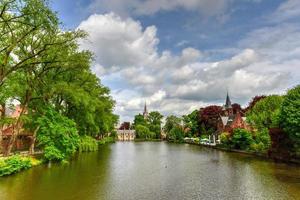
[155, 170]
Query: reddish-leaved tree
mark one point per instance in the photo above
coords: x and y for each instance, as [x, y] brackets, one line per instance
[209, 116]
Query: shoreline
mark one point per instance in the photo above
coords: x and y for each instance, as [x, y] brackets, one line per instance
[254, 154]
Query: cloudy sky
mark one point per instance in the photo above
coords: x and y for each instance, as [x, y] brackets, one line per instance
[179, 55]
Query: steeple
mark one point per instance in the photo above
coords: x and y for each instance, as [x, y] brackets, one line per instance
[228, 102]
[145, 113]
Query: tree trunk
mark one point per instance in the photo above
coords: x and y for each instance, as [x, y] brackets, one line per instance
[1, 128]
[17, 126]
[31, 148]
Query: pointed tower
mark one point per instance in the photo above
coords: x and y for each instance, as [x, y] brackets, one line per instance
[228, 111]
[145, 113]
[228, 102]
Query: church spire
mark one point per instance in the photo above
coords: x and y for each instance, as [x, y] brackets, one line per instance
[145, 113]
[228, 102]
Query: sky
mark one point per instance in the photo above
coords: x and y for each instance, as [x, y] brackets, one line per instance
[180, 55]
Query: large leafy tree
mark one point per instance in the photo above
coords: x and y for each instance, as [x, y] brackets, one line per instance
[209, 116]
[265, 113]
[290, 117]
[154, 121]
[42, 66]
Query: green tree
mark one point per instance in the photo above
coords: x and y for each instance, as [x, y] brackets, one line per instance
[143, 132]
[265, 113]
[139, 120]
[172, 121]
[57, 136]
[191, 123]
[42, 66]
[176, 134]
[241, 139]
[155, 120]
[290, 117]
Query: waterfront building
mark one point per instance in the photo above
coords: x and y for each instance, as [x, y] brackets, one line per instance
[145, 113]
[24, 139]
[125, 133]
[230, 119]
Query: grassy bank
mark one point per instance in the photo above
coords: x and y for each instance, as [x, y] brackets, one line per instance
[16, 163]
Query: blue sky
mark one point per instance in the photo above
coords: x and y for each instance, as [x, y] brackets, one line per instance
[179, 55]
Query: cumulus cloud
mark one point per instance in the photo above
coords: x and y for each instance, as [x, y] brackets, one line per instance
[179, 83]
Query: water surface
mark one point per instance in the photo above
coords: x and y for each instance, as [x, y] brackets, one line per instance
[155, 170]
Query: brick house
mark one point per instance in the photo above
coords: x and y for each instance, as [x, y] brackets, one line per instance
[23, 140]
[230, 120]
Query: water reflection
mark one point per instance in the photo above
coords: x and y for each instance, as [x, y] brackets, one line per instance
[156, 170]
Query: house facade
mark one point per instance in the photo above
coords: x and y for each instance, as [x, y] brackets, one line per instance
[230, 119]
[23, 140]
[125, 133]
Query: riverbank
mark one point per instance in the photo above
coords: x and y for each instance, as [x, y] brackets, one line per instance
[157, 170]
[256, 154]
[17, 163]
[22, 161]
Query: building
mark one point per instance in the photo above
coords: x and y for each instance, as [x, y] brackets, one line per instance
[125, 133]
[23, 140]
[230, 120]
[145, 113]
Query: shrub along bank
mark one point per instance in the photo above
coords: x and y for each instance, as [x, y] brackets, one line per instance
[16, 164]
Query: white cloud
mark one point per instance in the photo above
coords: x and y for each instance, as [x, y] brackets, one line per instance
[176, 84]
[119, 43]
[287, 10]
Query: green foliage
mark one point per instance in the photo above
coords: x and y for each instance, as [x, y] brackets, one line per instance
[88, 144]
[43, 66]
[265, 113]
[139, 120]
[225, 139]
[191, 123]
[106, 140]
[290, 117]
[14, 164]
[57, 136]
[149, 128]
[241, 139]
[171, 122]
[143, 132]
[113, 134]
[262, 141]
[176, 134]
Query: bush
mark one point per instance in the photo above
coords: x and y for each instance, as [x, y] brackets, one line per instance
[87, 144]
[113, 134]
[262, 141]
[225, 139]
[143, 132]
[176, 134]
[14, 164]
[57, 136]
[106, 140]
[197, 140]
[241, 139]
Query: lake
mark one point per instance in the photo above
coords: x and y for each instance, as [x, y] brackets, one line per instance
[155, 170]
